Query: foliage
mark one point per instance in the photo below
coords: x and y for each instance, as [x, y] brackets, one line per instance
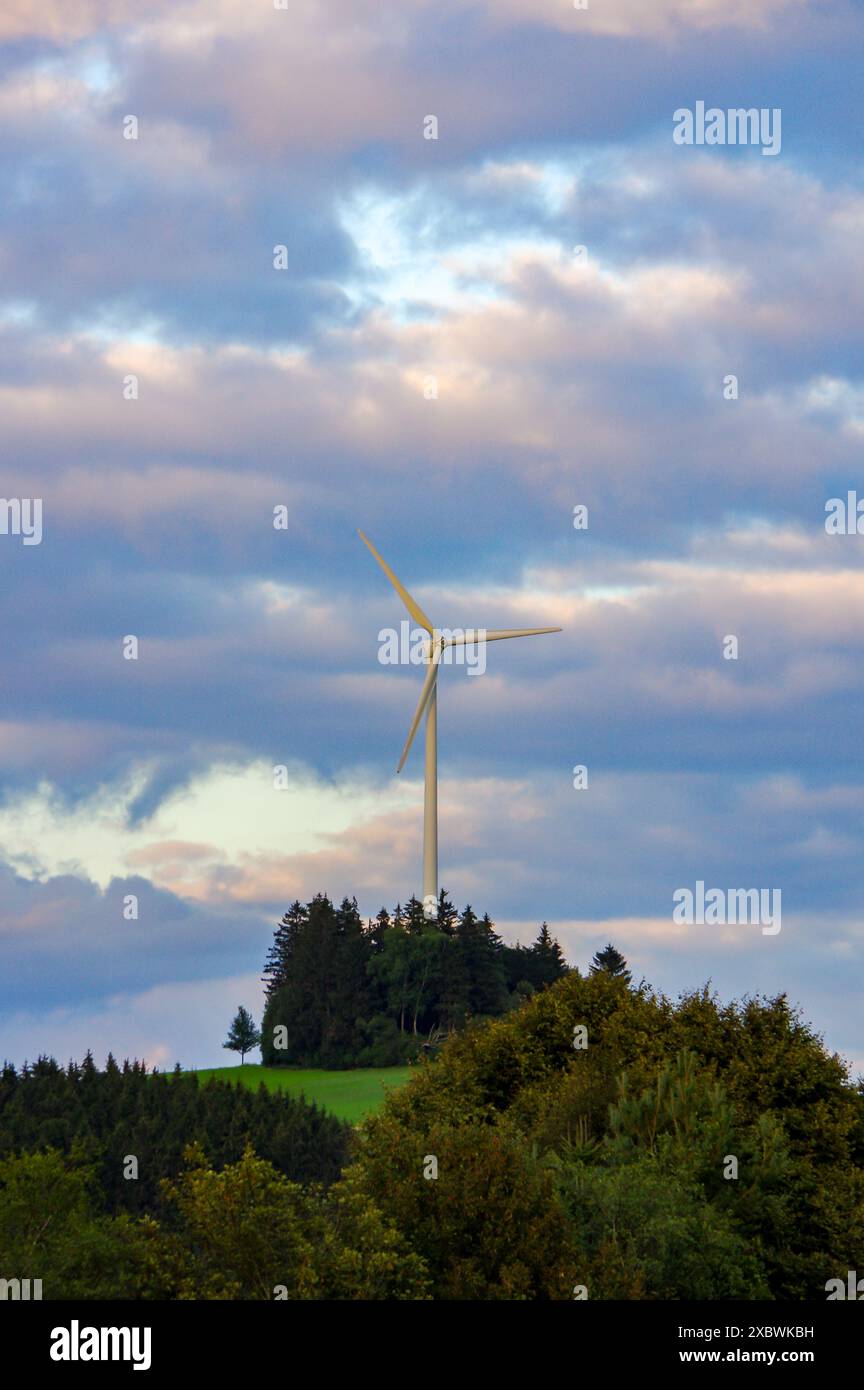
[648, 1233]
[246, 1232]
[343, 995]
[50, 1230]
[594, 1134]
[612, 962]
[109, 1115]
[490, 1225]
[636, 1131]
[243, 1036]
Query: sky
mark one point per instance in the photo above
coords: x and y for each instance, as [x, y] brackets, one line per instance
[440, 271]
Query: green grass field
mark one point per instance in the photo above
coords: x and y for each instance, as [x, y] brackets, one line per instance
[349, 1094]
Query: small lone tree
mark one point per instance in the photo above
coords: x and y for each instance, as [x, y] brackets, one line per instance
[610, 962]
[242, 1035]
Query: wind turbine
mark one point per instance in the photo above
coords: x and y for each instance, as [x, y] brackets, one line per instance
[428, 702]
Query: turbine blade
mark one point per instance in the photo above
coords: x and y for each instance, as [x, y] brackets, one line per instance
[499, 635]
[413, 607]
[425, 697]
[519, 632]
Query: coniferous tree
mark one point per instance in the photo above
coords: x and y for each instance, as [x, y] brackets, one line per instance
[377, 930]
[278, 961]
[98, 1122]
[610, 962]
[415, 921]
[325, 997]
[517, 969]
[484, 965]
[447, 915]
[340, 990]
[549, 963]
[242, 1035]
[8, 1082]
[300, 1007]
[351, 996]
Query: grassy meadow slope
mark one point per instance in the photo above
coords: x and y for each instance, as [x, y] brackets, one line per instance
[349, 1094]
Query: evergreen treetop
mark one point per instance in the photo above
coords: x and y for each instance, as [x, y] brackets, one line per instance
[610, 962]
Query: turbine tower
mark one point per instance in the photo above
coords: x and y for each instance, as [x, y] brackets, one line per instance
[428, 703]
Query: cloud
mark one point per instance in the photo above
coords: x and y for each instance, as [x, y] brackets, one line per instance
[559, 380]
[230, 845]
[632, 18]
[344, 20]
[168, 1023]
[62, 21]
[65, 941]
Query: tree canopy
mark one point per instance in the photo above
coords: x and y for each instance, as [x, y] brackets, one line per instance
[243, 1036]
[101, 1117]
[689, 1150]
[341, 993]
[572, 1136]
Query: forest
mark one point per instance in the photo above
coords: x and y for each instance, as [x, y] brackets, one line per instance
[344, 993]
[597, 1140]
[99, 1118]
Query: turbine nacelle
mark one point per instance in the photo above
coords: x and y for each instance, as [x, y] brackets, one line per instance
[435, 648]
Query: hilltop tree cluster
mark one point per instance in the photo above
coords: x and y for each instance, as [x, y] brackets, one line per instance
[344, 993]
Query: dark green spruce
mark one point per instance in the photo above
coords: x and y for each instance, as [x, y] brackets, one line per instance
[341, 993]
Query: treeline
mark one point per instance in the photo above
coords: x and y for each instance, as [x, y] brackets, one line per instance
[104, 1119]
[344, 993]
[599, 1142]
